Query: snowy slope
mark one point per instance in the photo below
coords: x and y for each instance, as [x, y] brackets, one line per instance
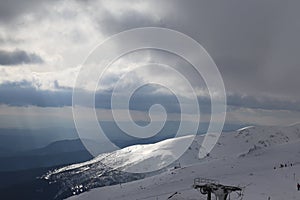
[255, 173]
[246, 157]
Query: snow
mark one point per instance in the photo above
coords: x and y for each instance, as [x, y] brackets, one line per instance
[245, 128]
[253, 158]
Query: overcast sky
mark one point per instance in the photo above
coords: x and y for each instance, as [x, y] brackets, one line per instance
[255, 45]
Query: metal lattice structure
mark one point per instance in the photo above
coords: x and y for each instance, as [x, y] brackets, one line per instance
[209, 187]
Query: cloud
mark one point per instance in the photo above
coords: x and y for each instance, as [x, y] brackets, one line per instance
[13, 9]
[24, 94]
[53, 80]
[118, 16]
[246, 116]
[9, 40]
[18, 57]
[262, 102]
[54, 89]
[64, 32]
[254, 44]
[256, 53]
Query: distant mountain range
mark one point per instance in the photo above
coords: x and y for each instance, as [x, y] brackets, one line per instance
[57, 153]
[17, 140]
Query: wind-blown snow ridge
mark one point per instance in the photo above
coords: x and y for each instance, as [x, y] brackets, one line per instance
[146, 156]
[245, 128]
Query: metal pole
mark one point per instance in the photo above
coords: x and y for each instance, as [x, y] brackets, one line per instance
[209, 195]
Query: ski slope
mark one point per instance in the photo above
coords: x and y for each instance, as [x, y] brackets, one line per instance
[253, 158]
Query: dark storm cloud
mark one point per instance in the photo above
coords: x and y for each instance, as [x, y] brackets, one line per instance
[18, 57]
[24, 94]
[11, 10]
[255, 44]
[266, 103]
[109, 23]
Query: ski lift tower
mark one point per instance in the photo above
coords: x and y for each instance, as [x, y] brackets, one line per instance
[209, 187]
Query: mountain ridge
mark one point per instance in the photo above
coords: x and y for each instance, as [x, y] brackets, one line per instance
[237, 145]
[242, 158]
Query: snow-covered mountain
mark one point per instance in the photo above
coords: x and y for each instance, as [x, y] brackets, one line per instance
[264, 160]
